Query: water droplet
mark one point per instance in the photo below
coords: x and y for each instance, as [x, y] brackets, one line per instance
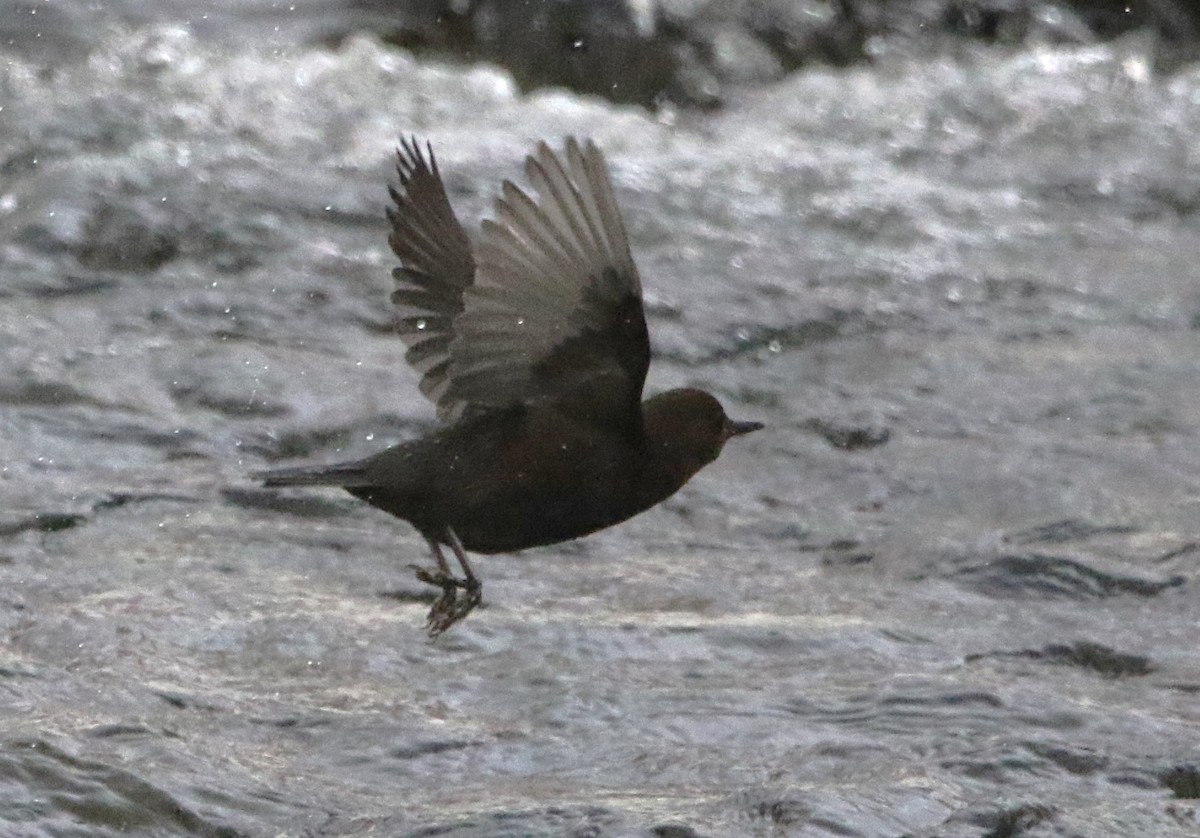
[421, 324]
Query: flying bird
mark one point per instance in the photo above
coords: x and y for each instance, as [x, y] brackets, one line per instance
[534, 348]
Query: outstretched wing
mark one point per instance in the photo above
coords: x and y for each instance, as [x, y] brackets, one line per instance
[556, 308]
[436, 266]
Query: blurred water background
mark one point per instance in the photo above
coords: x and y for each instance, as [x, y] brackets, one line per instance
[950, 591]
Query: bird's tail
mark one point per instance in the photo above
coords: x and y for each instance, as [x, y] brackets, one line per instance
[339, 474]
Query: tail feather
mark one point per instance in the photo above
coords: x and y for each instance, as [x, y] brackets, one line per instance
[339, 474]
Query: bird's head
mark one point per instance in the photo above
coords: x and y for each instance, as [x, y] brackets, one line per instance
[686, 430]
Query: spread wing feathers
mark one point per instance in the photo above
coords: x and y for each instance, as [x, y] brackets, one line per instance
[555, 279]
[436, 265]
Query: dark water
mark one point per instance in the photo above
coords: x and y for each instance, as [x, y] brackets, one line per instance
[949, 592]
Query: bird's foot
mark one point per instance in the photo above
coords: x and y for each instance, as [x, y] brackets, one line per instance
[448, 608]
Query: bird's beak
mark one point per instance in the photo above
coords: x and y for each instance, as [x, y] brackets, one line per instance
[738, 428]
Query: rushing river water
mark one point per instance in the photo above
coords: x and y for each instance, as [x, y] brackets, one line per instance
[950, 591]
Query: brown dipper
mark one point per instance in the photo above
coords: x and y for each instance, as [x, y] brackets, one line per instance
[534, 349]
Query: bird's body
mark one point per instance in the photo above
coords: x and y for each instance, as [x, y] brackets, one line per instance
[517, 478]
[535, 348]
[511, 479]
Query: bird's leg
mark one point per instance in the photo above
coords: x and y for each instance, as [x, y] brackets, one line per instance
[470, 582]
[439, 578]
[448, 609]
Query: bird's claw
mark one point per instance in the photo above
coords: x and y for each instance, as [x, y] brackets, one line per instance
[448, 608]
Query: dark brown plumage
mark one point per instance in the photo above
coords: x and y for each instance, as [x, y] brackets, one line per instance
[534, 349]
